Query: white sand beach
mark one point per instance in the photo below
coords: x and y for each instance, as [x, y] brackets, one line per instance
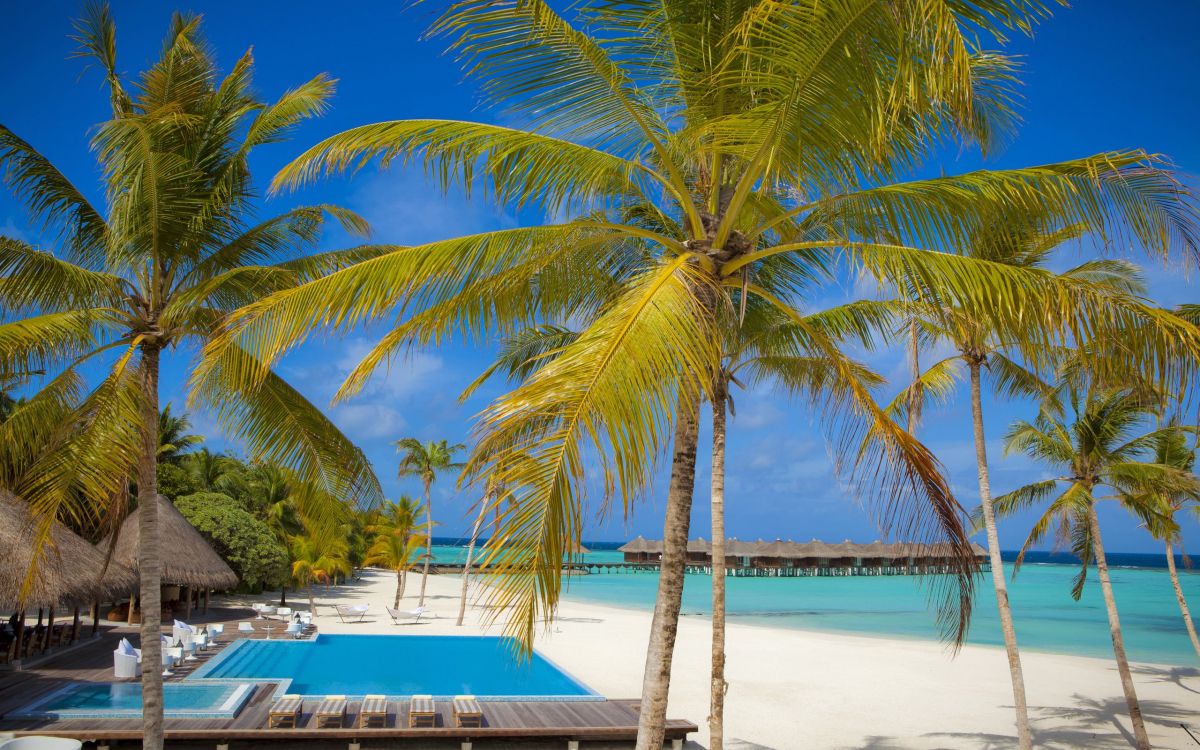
[793, 689]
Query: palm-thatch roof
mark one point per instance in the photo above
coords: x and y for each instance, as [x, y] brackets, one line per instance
[639, 545]
[187, 558]
[67, 571]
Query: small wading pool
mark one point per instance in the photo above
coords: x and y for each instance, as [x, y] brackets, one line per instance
[120, 700]
[397, 665]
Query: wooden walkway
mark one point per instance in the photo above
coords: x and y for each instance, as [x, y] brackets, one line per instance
[605, 720]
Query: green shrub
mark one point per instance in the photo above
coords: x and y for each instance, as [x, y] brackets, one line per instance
[249, 546]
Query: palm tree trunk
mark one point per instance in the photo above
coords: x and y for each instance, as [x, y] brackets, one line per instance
[312, 604]
[1183, 607]
[1024, 735]
[149, 556]
[399, 588]
[283, 595]
[1141, 739]
[716, 713]
[403, 580]
[656, 681]
[466, 574]
[428, 543]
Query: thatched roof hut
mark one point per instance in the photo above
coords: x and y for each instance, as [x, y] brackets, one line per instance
[638, 544]
[187, 559]
[68, 572]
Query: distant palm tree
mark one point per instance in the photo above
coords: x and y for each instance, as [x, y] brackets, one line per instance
[487, 501]
[394, 545]
[213, 472]
[1173, 449]
[174, 440]
[1019, 241]
[1098, 438]
[426, 461]
[319, 554]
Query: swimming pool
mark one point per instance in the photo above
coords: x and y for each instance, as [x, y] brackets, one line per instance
[397, 665]
[123, 700]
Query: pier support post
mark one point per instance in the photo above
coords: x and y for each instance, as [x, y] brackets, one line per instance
[466, 745]
[676, 744]
[572, 744]
[222, 746]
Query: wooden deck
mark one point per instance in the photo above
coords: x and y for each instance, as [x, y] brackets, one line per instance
[613, 721]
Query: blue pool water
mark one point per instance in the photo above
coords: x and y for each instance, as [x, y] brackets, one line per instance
[115, 700]
[397, 665]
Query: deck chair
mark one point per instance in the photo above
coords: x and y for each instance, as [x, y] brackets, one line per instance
[285, 712]
[373, 711]
[126, 661]
[331, 712]
[399, 615]
[295, 630]
[421, 712]
[467, 712]
[352, 612]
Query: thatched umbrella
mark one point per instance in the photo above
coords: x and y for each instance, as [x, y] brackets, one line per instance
[66, 573]
[187, 558]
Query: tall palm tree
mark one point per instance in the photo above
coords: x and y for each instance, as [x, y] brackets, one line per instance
[1173, 449]
[213, 472]
[426, 461]
[1100, 439]
[175, 247]
[319, 554]
[781, 155]
[174, 440]
[1019, 241]
[488, 501]
[395, 545]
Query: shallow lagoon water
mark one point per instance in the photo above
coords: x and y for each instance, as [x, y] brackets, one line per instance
[1047, 618]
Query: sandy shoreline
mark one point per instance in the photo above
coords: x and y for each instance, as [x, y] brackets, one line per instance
[792, 689]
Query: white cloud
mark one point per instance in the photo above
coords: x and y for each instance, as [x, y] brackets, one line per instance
[368, 421]
[406, 208]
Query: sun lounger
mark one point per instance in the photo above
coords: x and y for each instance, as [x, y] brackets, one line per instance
[352, 612]
[285, 712]
[373, 711]
[467, 712]
[414, 615]
[331, 712]
[421, 712]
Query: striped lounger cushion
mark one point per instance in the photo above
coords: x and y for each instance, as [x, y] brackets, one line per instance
[285, 712]
[331, 712]
[467, 712]
[421, 711]
[373, 711]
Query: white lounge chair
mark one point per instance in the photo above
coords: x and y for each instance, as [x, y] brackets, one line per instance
[171, 655]
[126, 661]
[246, 628]
[352, 612]
[214, 631]
[412, 615]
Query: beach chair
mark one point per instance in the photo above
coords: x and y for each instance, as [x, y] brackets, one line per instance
[246, 628]
[352, 612]
[421, 712]
[171, 655]
[467, 712]
[284, 613]
[373, 711]
[285, 712]
[414, 616]
[214, 631]
[126, 661]
[331, 712]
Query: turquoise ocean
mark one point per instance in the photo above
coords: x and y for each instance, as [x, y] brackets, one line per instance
[1047, 618]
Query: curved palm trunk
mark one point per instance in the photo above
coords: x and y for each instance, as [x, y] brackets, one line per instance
[149, 556]
[663, 628]
[466, 574]
[1183, 607]
[428, 543]
[1024, 735]
[716, 713]
[283, 595]
[399, 588]
[312, 605]
[1141, 739]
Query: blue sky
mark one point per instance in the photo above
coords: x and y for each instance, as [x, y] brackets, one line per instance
[1098, 77]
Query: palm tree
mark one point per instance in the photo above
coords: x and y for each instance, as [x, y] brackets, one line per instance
[426, 461]
[1019, 241]
[487, 501]
[1098, 438]
[1172, 449]
[213, 472]
[173, 437]
[318, 555]
[779, 155]
[395, 546]
[175, 248]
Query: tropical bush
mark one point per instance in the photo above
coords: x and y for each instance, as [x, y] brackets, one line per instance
[254, 552]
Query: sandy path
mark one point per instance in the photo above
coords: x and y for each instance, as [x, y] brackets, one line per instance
[792, 689]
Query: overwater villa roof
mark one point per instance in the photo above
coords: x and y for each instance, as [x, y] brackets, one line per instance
[67, 571]
[187, 558]
[638, 544]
